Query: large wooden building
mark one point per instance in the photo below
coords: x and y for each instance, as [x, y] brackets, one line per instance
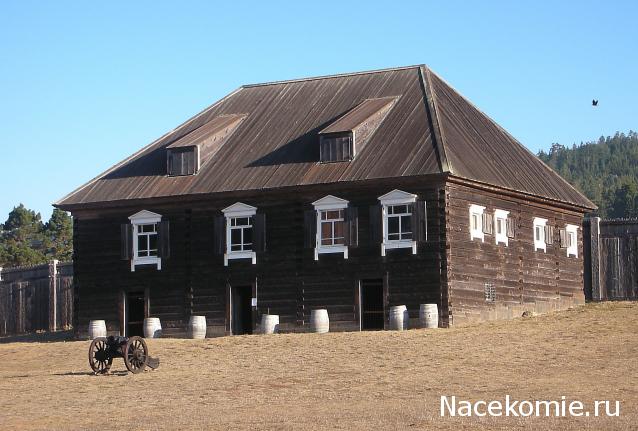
[350, 192]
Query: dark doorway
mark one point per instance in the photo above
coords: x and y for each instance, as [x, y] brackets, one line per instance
[135, 314]
[372, 316]
[241, 310]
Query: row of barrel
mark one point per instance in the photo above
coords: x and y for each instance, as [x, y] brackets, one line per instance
[153, 328]
[398, 320]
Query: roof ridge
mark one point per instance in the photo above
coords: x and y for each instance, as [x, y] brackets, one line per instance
[336, 75]
[516, 141]
[432, 109]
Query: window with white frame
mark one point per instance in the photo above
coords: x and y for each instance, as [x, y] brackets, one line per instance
[572, 240]
[398, 232]
[331, 219]
[399, 223]
[145, 239]
[539, 234]
[476, 222]
[239, 232]
[331, 227]
[500, 226]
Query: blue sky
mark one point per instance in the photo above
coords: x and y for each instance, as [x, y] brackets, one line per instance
[84, 84]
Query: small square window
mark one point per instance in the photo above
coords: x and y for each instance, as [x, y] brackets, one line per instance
[336, 147]
[183, 161]
[490, 292]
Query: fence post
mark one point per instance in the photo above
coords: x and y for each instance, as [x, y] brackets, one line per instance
[596, 293]
[53, 295]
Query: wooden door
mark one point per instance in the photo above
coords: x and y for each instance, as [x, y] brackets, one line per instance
[372, 304]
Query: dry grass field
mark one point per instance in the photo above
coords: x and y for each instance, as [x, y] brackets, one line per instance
[346, 381]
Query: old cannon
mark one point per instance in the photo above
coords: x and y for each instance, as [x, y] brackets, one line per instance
[133, 350]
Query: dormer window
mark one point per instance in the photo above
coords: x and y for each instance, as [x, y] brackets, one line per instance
[185, 155]
[336, 147]
[346, 136]
[183, 161]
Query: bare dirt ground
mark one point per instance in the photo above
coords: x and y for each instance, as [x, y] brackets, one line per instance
[347, 381]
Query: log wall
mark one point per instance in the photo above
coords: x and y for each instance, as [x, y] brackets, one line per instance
[286, 280]
[524, 279]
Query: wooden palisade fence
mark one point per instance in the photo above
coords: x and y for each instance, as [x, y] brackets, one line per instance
[37, 298]
[611, 259]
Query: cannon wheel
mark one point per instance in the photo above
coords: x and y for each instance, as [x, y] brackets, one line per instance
[100, 358]
[135, 355]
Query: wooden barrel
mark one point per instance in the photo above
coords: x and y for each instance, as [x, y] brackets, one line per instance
[429, 316]
[152, 327]
[197, 327]
[398, 318]
[97, 328]
[269, 323]
[319, 321]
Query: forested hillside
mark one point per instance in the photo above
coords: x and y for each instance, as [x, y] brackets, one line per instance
[606, 171]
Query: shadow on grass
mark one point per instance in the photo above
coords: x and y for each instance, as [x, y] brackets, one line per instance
[91, 373]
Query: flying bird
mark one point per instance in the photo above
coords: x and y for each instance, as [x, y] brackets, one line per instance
[594, 102]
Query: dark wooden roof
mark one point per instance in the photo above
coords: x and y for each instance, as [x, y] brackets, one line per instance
[216, 129]
[358, 115]
[431, 129]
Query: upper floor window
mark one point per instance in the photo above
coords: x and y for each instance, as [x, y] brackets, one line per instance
[399, 219]
[501, 226]
[145, 239]
[403, 221]
[241, 232]
[336, 147]
[543, 234]
[331, 227]
[146, 244]
[476, 222]
[569, 239]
